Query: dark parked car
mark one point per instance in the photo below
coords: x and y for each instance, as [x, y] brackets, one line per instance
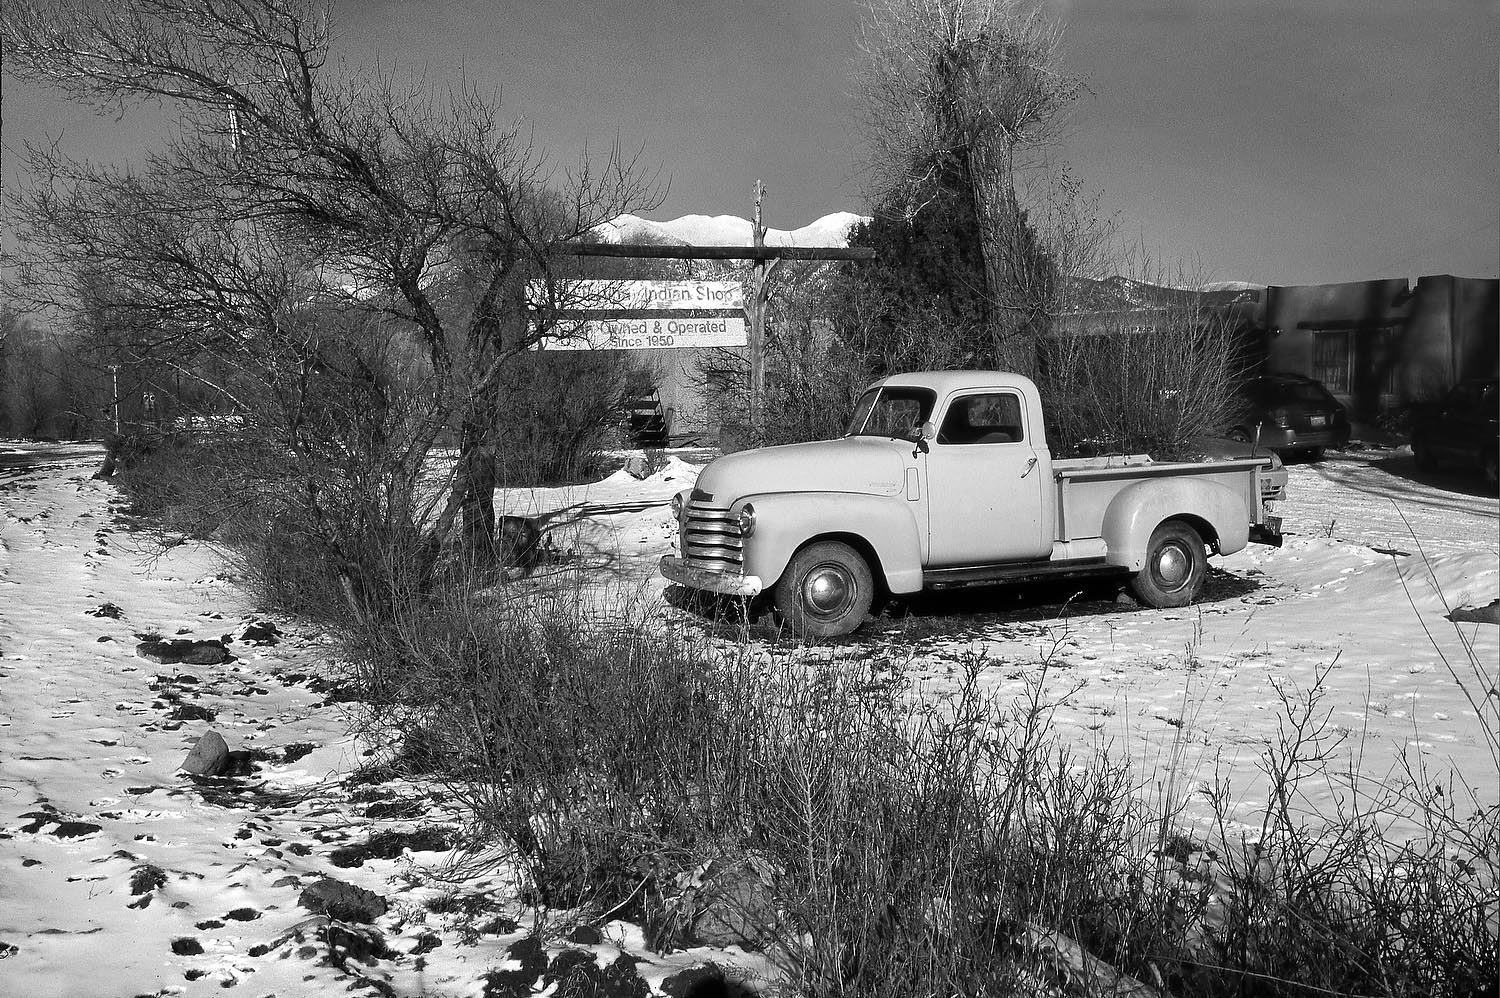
[1462, 429]
[1292, 414]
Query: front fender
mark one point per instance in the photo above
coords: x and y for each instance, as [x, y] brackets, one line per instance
[1137, 510]
[786, 521]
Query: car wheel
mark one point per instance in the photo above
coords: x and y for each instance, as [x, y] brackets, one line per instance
[1176, 563]
[1313, 454]
[1239, 435]
[826, 591]
[1492, 470]
[1421, 453]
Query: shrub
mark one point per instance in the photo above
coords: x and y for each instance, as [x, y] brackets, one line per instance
[564, 409]
[570, 736]
[1146, 380]
[811, 389]
[907, 846]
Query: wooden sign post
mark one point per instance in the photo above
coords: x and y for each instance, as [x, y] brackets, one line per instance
[765, 259]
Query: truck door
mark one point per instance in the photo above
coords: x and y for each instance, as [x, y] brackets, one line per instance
[984, 483]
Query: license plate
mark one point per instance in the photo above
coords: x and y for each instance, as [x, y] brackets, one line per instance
[1317, 420]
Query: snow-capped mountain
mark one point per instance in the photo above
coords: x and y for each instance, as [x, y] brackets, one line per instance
[725, 230]
[1232, 286]
[1084, 294]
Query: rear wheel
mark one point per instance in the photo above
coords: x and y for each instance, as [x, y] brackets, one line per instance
[1314, 453]
[1176, 563]
[1492, 470]
[826, 590]
[1239, 435]
[1421, 452]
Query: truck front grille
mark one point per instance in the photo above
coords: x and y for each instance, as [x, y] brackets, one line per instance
[1272, 487]
[711, 537]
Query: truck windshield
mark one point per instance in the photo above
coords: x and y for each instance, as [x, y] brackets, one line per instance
[891, 412]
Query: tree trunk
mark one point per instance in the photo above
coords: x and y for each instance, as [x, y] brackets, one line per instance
[498, 332]
[1017, 271]
[478, 478]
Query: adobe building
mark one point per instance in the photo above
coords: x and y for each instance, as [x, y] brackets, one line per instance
[1378, 345]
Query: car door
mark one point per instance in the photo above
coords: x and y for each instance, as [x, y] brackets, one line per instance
[984, 486]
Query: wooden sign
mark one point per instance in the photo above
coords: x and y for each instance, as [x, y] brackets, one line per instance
[646, 315]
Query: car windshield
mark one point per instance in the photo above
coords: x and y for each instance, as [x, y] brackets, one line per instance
[891, 412]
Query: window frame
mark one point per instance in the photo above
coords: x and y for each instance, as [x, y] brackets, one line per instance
[963, 399]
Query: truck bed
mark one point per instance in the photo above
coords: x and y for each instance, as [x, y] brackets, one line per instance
[1085, 486]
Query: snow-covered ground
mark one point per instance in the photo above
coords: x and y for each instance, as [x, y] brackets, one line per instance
[91, 734]
[91, 738]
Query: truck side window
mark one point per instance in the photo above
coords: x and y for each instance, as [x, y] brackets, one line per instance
[993, 418]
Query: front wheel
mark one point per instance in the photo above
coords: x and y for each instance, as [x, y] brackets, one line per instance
[826, 590]
[1176, 564]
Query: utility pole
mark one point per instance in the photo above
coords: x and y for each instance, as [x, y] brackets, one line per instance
[764, 267]
[114, 391]
[755, 311]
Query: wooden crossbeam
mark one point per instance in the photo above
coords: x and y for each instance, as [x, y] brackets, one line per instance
[717, 252]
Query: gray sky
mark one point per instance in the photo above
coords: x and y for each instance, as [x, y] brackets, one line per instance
[1276, 141]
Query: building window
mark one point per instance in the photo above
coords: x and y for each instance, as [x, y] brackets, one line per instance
[1331, 358]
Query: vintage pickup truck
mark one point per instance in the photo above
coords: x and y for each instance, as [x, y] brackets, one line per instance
[944, 479]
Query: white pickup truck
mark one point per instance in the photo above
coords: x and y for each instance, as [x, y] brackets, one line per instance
[944, 479]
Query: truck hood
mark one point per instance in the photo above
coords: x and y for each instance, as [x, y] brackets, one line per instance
[869, 465]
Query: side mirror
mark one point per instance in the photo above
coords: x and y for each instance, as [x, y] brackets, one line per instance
[924, 433]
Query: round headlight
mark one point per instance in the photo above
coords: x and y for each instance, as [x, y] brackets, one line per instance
[676, 505]
[747, 520]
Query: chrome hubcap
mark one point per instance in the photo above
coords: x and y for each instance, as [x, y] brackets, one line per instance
[1173, 565]
[827, 590]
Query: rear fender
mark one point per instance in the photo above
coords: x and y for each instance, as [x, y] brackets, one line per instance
[881, 528]
[1214, 510]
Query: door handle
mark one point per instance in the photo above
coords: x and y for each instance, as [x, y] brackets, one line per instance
[1029, 465]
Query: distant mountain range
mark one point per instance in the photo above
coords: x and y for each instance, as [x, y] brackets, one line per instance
[833, 230]
[1116, 293]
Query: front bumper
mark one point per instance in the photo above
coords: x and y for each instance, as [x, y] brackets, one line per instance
[1268, 532]
[674, 569]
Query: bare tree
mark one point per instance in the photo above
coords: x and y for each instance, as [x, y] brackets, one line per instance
[294, 183]
[10, 324]
[1142, 363]
[956, 94]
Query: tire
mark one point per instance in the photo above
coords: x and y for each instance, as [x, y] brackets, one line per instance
[1491, 465]
[826, 591]
[1421, 453]
[1176, 564]
[1239, 435]
[1313, 454]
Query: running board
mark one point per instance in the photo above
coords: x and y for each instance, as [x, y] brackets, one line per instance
[1026, 571]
